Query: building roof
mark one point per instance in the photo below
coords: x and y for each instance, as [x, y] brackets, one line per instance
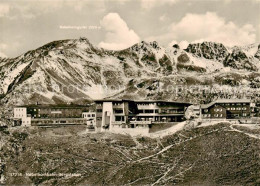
[112, 100]
[226, 101]
[52, 106]
[160, 101]
[140, 101]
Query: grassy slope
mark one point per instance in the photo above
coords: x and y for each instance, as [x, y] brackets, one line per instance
[213, 155]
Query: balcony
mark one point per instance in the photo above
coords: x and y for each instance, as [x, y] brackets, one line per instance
[117, 122]
[141, 122]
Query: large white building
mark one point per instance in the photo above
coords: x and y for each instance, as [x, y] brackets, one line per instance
[21, 116]
[117, 114]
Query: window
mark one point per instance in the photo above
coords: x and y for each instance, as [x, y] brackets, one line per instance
[244, 114]
[233, 108]
[220, 109]
[221, 115]
[244, 108]
[117, 103]
[156, 111]
[206, 110]
[119, 118]
[99, 110]
[216, 115]
[238, 108]
[141, 111]
[118, 111]
[93, 115]
[88, 115]
[163, 111]
[148, 111]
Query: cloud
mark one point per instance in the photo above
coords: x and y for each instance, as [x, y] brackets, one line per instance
[118, 35]
[163, 17]
[21, 9]
[3, 55]
[211, 27]
[2, 47]
[149, 4]
[4, 9]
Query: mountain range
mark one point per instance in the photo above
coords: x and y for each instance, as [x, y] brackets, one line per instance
[75, 71]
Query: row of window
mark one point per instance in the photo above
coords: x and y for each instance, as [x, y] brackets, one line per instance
[61, 121]
[172, 111]
[120, 111]
[53, 109]
[19, 115]
[149, 111]
[57, 115]
[238, 108]
[19, 109]
[219, 115]
[117, 104]
[145, 104]
[227, 104]
[232, 108]
[89, 115]
[215, 115]
[158, 104]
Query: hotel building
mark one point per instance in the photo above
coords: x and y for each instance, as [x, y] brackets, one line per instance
[226, 109]
[132, 114]
[45, 115]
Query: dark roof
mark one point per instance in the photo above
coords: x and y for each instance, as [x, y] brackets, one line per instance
[226, 101]
[112, 100]
[52, 106]
[161, 101]
[140, 101]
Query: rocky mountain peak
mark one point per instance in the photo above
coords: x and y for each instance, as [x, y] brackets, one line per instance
[257, 54]
[76, 62]
[146, 46]
[239, 60]
[155, 45]
[208, 50]
[176, 46]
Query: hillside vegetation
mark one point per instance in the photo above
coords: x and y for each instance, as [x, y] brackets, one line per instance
[221, 154]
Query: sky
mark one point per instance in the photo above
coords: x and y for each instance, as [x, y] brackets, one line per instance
[117, 24]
